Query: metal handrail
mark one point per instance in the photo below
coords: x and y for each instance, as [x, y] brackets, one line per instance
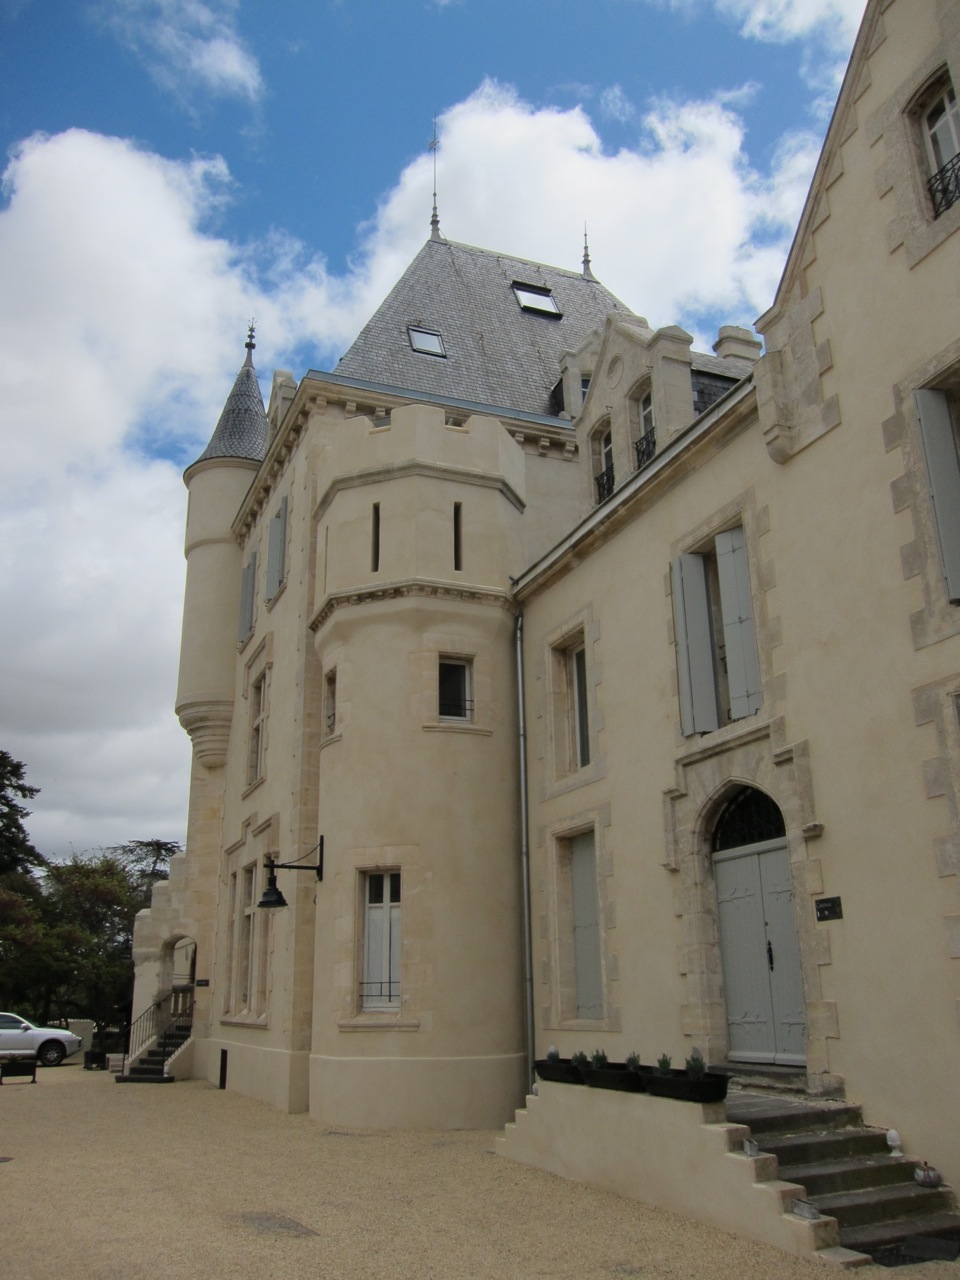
[646, 447]
[605, 483]
[944, 186]
[173, 1011]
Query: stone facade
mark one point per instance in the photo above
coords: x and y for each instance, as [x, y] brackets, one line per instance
[731, 579]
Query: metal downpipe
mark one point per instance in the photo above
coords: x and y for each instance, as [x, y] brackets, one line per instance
[525, 860]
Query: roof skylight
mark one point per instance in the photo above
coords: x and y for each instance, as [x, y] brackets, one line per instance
[535, 297]
[427, 341]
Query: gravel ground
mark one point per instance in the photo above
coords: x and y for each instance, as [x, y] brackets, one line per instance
[183, 1181]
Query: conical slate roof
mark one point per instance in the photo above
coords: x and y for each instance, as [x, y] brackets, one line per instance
[243, 428]
[498, 347]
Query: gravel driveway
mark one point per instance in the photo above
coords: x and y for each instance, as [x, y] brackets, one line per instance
[183, 1181]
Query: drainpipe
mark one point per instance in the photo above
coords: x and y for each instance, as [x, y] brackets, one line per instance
[525, 860]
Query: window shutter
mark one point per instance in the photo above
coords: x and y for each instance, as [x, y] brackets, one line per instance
[276, 550]
[586, 926]
[248, 584]
[943, 470]
[739, 631]
[691, 620]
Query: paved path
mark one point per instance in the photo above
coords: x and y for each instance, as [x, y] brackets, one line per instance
[183, 1181]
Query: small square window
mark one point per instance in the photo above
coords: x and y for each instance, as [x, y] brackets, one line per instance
[454, 692]
[426, 341]
[534, 297]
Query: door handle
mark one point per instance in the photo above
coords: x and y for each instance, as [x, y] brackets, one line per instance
[770, 954]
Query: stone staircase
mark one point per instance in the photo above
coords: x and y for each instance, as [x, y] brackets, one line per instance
[150, 1066]
[846, 1170]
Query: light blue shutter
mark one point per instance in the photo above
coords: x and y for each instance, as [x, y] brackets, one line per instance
[276, 551]
[691, 620]
[943, 469]
[739, 632]
[586, 926]
[248, 584]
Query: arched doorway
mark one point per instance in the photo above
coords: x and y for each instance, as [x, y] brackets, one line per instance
[758, 932]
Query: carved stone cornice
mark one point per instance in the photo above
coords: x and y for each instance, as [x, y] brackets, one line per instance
[410, 588]
[208, 724]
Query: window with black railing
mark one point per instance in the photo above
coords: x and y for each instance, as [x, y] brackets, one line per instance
[646, 447]
[604, 483]
[944, 186]
[454, 689]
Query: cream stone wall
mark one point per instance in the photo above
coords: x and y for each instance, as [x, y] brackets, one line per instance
[856, 736]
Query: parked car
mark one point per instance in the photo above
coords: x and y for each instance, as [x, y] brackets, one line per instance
[22, 1038]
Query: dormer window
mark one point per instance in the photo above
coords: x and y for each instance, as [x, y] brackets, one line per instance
[427, 341]
[537, 298]
[941, 128]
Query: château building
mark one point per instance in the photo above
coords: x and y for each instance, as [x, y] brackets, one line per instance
[620, 680]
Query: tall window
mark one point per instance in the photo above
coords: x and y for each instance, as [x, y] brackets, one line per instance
[457, 536]
[588, 970]
[248, 590]
[247, 943]
[380, 984]
[941, 128]
[718, 666]
[454, 689]
[571, 721]
[603, 464]
[939, 435]
[646, 443]
[276, 552]
[258, 726]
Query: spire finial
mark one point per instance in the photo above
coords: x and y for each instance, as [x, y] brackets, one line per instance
[435, 217]
[250, 344]
[587, 273]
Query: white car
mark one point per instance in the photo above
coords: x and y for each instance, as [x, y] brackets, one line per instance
[21, 1038]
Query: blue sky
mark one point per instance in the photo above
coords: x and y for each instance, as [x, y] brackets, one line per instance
[172, 167]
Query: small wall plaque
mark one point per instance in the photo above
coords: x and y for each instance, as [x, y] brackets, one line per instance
[205, 982]
[829, 909]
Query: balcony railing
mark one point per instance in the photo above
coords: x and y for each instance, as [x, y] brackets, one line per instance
[944, 186]
[646, 447]
[604, 483]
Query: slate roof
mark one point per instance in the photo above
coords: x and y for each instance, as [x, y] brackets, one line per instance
[243, 428]
[496, 353]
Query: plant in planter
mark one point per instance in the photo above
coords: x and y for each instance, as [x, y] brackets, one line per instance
[603, 1074]
[694, 1084]
[557, 1069]
[633, 1062]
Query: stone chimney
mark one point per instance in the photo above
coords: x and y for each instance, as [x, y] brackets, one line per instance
[734, 341]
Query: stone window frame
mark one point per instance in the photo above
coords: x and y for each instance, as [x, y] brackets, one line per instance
[705, 780]
[246, 857]
[741, 510]
[258, 670]
[920, 558]
[563, 773]
[902, 175]
[558, 1007]
[346, 887]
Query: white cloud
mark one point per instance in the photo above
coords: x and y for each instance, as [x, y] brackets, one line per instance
[615, 104]
[187, 44]
[122, 320]
[835, 21]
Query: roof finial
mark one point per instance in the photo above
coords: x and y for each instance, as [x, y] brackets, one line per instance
[250, 344]
[435, 217]
[587, 273]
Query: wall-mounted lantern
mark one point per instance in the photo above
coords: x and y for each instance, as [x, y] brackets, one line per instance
[272, 897]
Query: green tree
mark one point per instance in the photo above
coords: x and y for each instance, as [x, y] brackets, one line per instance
[17, 854]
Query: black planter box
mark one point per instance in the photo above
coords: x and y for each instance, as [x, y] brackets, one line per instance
[560, 1072]
[95, 1060]
[706, 1088]
[615, 1075]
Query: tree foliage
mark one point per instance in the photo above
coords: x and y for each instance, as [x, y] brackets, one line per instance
[66, 928]
[17, 854]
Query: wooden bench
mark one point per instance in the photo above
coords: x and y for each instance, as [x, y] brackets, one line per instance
[18, 1066]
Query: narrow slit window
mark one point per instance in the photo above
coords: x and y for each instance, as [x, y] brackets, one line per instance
[457, 536]
[330, 702]
[375, 539]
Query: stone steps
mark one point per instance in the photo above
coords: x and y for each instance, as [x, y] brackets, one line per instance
[845, 1169]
